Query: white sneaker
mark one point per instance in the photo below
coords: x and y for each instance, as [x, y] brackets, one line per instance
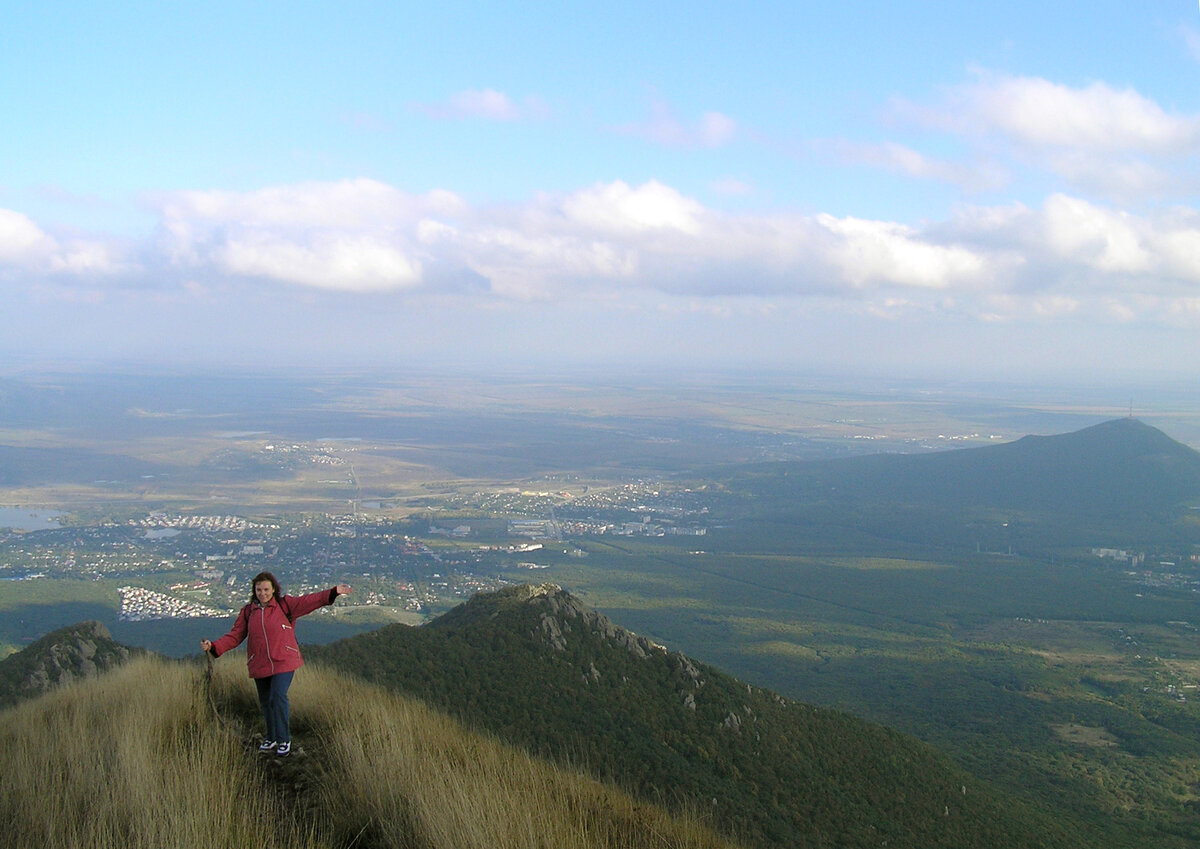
[284, 749]
[267, 745]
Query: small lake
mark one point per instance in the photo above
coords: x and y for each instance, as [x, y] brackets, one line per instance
[24, 519]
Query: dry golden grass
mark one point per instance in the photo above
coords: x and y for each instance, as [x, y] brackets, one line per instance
[418, 778]
[138, 758]
[132, 759]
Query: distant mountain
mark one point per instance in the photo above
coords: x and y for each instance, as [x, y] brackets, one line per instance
[536, 667]
[60, 657]
[1121, 466]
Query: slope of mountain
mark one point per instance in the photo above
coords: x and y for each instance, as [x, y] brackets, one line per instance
[115, 763]
[537, 668]
[68, 654]
[1118, 467]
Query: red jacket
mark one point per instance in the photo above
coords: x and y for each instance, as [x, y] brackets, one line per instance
[271, 636]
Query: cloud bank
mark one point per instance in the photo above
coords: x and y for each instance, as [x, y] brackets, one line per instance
[613, 241]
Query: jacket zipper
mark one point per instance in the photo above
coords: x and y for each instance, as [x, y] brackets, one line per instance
[266, 639]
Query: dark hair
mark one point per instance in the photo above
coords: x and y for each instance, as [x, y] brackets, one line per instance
[265, 576]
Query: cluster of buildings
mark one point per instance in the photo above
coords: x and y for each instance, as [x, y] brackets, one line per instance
[1120, 555]
[646, 528]
[317, 455]
[138, 604]
[200, 523]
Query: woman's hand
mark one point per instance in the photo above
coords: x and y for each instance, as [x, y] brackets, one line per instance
[206, 646]
[343, 589]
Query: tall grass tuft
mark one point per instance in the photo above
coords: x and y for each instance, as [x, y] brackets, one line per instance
[135, 758]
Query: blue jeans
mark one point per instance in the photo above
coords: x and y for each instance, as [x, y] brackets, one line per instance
[273, 696]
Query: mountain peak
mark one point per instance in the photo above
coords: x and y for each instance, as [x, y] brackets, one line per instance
[558, 614]
[1114, 468]
[1126, 433]
[1120, 465]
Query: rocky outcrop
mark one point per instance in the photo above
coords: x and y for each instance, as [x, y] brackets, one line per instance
[561, 609]
[60, 657]
[564, 625]
[562, 612]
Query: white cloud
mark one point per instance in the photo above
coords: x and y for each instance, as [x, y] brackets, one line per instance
[87, 257]
[617, 207]
[345, 263]
[902, 159]
[1097, 238]
[732, 187]
[616, 243]
[1114, 143]
[611, 238]
[1037, 112]
[715, 129]
[486, 104]
[664, 127]
[1003, 307]
[1191, 40]
[868, 252]
[1126, 177]
[21, 240]
[351, 235]
[24, 246]
[1109, 261]
[344, 203]
[1179, 249]
[539, 265]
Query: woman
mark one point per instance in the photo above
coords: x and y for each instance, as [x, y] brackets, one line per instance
[272, 655]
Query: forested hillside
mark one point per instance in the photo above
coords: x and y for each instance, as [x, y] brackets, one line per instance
[534, 666]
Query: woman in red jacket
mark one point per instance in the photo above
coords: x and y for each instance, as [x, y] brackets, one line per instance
[267, 623]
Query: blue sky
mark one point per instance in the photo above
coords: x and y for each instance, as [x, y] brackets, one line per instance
[925, 189]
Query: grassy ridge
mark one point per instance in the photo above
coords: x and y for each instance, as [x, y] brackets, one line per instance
[139, 758]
